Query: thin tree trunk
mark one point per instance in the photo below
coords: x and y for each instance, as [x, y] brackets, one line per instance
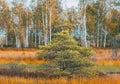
[29, 36]
[50, 23]
[39, 38]
[46, 25]
[44, 28]
[27, 33]
[18, 44]
[6, 37]
[105, 40]
[101, 39]
[98, 37]
[35, 37]
[84, 26]
[6, 40]
[32, 39]
[35, 32]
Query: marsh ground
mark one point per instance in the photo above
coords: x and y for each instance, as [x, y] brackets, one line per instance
[103, 62]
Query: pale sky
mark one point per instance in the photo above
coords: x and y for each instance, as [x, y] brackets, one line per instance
[70, 3]
[65, 3]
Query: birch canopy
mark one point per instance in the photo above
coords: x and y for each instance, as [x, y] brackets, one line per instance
[33, 23]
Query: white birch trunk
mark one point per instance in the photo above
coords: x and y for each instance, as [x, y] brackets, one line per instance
[84, 26]
[27, 33]
[98, 32]
[44, 29]
[6, 40]
[46, 25]
[35, 37]
[50, 25]
[98, 37]
[39, 38]
[101, 40]
[104, 40]
[18, 44]
[50, 22]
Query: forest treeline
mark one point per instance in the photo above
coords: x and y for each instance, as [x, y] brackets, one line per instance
[93, 23]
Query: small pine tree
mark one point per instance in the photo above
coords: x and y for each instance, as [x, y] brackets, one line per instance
[65, 53]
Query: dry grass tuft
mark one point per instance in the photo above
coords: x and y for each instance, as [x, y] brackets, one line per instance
[103, 80]
[19, 56]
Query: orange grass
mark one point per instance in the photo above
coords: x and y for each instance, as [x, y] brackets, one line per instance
[108, 62]
[26, 61]
[102, 80]
[18, 54]
[104, 57]
[29, 57]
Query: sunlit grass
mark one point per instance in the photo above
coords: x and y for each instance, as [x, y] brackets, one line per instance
[21, 57]
[108, 62]
[18, 54]
[17, 80]
[28, 58]
[26, 61]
